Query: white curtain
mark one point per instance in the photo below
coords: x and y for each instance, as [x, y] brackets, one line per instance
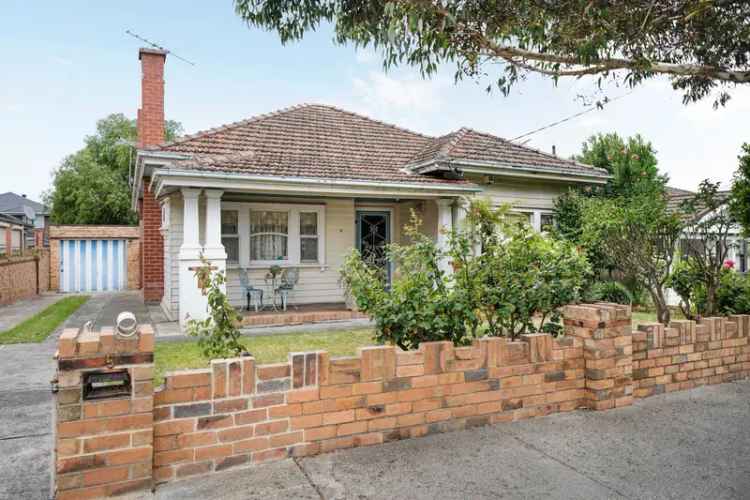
[269, 235]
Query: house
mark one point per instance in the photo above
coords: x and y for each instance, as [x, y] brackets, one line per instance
[12, 231]
[301, 186]
[33, 215]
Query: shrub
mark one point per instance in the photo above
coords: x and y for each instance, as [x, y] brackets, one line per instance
[218, 335]
[733, 295]
[518, 276]
[610, 291]
[419, 306]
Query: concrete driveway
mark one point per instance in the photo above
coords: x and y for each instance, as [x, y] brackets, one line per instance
[691, 444]
[26, 400]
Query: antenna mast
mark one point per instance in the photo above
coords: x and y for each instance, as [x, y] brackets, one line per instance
[157, 46]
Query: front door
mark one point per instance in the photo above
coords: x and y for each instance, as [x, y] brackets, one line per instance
[373, 234]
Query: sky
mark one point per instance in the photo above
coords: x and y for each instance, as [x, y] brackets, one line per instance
[67, 64]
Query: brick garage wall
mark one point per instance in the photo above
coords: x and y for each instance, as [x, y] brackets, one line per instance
[103, 447]
[689, 354]
[89, 232]
[22, 277]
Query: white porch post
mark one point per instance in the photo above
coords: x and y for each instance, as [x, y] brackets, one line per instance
[214, 251]
[192, 301]
[445, 226]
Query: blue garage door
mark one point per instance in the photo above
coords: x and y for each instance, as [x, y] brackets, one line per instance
[93, 265]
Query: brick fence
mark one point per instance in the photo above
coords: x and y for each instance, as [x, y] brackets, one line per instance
[24, 277]
[235, 413]
[88, 232]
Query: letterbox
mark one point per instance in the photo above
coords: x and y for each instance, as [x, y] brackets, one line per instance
[106, 385]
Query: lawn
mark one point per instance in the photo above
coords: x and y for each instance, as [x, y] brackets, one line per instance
[38, 327]
[170, 356]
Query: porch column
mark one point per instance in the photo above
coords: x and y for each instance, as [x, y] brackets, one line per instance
[444, 228]
[214, 250]
[192, 302]
[461, 208]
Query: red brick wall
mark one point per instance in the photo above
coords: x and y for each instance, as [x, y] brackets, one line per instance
[689, 354]
[103, 447]
[237, 413]
[152, 247]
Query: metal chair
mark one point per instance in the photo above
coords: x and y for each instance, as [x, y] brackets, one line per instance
[289, 278]
[254, 295]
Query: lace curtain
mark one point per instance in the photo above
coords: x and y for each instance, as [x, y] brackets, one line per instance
[269, 235]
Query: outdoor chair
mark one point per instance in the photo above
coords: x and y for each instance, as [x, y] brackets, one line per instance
[254, 295]
[289, 279]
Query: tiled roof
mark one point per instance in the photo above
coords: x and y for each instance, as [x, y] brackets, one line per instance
[468, 145]
[675, 198]
[318, 141]
[12, 203]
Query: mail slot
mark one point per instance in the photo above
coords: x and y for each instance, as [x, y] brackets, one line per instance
[104, 385]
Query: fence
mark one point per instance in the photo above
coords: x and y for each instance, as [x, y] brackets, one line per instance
[236, 413]
[24, 276]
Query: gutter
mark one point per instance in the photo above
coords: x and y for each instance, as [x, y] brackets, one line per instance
[307, 181]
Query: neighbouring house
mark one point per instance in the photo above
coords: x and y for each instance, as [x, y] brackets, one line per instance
[738, 244]
[34, 216]
[12, 234]
[301, 186]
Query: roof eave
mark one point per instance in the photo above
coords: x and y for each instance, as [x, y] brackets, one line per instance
[506, 170]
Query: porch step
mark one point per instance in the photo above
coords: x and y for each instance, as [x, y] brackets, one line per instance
[299, 317]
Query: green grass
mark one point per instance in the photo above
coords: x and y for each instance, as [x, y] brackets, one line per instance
[170, 356]
[38, 327]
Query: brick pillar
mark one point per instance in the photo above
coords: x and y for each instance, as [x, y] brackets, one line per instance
[608, 352]
[103, 441]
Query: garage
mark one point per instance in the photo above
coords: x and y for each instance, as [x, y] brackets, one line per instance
[94, 258]
[93, 265]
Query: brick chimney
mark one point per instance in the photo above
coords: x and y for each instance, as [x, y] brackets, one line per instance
[151, 133]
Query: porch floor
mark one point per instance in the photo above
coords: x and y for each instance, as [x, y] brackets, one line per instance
[300, 314]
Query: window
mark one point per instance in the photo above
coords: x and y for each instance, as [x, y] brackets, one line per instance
[519, 217]
[546, 222]
[308, 234]
[230, 236]
[269, 235]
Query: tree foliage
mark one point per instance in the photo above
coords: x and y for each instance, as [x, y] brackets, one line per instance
[91, 186]
[740, 200]
[639, 235]
[631, 162]
[701, 45]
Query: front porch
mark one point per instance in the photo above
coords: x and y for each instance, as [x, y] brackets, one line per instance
[300, 314]
[259, 240]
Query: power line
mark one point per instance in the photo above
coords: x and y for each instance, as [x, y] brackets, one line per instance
[157, 46]
[568, 118]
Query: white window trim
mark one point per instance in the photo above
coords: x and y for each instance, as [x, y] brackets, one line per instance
[231, 235]
[165, 215]
[535, 215]
[293, 237]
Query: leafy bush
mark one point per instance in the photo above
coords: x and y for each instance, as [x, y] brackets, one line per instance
[610, 291]
[518, 276]
[686, 283]
[419, 305]
[733, 295]
[218, 335]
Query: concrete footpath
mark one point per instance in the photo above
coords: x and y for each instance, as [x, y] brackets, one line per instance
[26, 400]
[691, 444]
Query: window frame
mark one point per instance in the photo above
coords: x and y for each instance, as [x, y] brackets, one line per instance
[230, 235]
[293, 235]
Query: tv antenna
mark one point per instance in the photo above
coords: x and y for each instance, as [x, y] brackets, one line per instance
[157, 46]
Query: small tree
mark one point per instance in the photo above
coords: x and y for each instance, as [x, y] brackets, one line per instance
[639, 235]
[706, 243]
[218, 335]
